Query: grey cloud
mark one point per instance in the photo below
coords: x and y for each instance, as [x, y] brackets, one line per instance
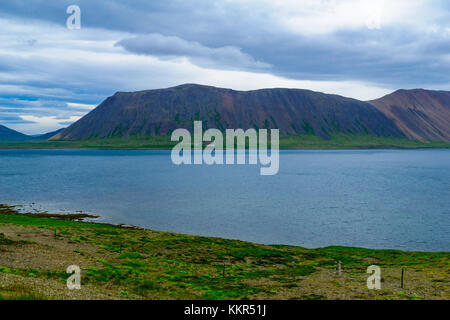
[203, 30]
[392, 57]
[171, 46]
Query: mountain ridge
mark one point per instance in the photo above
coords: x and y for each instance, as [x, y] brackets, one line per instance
[10, 135]
[293, 111]
[420, 114]
[416, 114]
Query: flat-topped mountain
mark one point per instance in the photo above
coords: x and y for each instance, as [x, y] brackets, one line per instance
[293, 111]
[420, 114]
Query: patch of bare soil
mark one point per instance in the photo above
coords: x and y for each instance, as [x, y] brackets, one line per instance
[50, 253]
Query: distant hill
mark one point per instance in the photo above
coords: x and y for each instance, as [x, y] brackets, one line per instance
[48, 135]
[420, 114]
[10, 135]
[293, 111]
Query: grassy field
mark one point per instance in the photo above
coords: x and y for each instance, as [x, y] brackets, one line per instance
[120, 262]
[286, 142]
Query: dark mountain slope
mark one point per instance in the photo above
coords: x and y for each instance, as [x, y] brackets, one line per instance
[293, 111]
[9, 135]
[48, 135]
[421, 114]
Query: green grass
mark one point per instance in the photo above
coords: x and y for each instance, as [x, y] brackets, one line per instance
[135, 142]
[4, 240]
[306, 141]
[341, 141]
[19, 292]
[165, 265]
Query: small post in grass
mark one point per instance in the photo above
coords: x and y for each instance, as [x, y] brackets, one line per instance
[403, 271]
[339, 267]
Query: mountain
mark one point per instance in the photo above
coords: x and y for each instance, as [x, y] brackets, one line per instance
[293, 111]
[420, 114]
[48, 135]
[10, 135]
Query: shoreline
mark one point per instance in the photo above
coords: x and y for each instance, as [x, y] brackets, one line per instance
[281, 148]
[125, 262]
[80, 216]
[286, 142]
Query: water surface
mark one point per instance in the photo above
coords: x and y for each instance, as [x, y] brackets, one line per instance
[368, 198]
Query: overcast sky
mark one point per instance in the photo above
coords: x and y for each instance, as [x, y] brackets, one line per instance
[51, 75]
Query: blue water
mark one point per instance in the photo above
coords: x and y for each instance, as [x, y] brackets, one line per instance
[379, 199]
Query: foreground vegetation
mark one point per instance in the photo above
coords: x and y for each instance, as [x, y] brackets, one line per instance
[121, 262]
[338, 141]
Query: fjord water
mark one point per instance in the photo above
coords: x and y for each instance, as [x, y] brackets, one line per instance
[396, 199]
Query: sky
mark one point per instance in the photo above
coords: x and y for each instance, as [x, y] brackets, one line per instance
[52, 74]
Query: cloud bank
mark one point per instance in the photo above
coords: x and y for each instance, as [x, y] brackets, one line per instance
[173, 47]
